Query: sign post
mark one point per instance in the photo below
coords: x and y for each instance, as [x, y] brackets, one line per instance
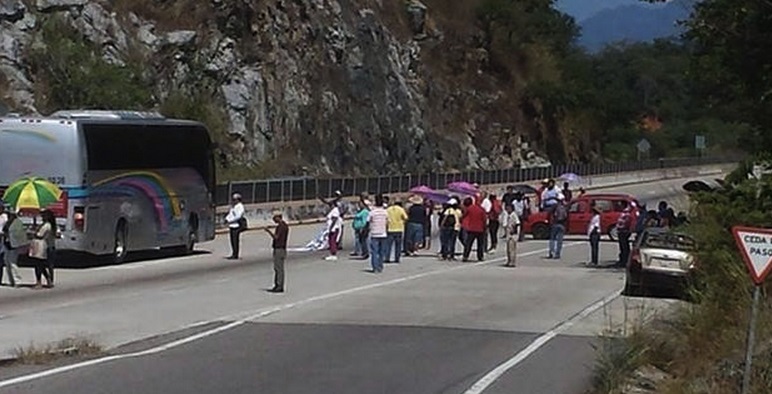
[699, 144]
[756, 247]
[643, 147]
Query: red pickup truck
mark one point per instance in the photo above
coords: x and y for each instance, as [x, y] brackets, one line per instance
[610, 205]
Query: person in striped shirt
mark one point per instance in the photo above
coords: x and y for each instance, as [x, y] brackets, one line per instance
[378, 220]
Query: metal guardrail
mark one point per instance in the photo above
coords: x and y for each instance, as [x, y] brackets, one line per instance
[274, 190]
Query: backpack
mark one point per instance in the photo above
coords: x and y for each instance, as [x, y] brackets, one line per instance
[559, 214]
[449, 220]
[495, 211]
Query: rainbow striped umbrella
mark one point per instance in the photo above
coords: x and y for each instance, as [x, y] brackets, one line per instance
[31, 193]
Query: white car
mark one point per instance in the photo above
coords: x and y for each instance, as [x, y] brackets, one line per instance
[660, 260]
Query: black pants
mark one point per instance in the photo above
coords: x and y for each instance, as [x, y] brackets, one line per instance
[45, 268]
[493, 228]
[235, 234]
[472, 236]
[594, 246]
[624, 248]
[364, 241]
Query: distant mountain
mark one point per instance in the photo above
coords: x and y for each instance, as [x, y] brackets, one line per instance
[634, 22]
[584, 9]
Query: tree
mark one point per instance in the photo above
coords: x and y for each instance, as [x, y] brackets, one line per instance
[732, 40]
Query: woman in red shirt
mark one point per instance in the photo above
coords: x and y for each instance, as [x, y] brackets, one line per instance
[474, 223]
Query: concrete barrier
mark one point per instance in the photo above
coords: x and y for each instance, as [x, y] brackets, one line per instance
[259, 216]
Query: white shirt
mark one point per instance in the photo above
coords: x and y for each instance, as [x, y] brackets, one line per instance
[3, 221]
[519, 207]
[594, 224]
[487, 205]
[513, 221]
[334, 223]
[234, 215]
[378, 222]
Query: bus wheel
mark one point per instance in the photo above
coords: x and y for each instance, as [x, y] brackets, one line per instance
[192, 237]
[120, 249]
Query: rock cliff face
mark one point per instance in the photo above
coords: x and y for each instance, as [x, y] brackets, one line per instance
[317, 86]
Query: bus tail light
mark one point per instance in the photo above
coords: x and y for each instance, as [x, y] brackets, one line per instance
[79, 218]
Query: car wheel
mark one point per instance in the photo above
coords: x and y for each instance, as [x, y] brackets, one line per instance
[540, 231]
[612, 232]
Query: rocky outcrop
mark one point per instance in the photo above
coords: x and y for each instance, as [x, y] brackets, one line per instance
[344, 86]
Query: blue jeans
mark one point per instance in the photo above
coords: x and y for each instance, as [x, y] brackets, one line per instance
[377, 253]
[358, 247]
[448, 242]
[556, 239]
[414, 236]
[395, 240]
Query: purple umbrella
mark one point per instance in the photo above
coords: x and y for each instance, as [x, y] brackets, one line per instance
[570, 177]
[465, 188]
[423, 189]
[430, 194]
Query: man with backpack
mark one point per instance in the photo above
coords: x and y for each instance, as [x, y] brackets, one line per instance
[558, 221]
[450, 224]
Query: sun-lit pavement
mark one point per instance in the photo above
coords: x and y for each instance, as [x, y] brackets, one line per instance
[422, 326]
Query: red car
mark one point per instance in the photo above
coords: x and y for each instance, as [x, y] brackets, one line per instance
[610, 205]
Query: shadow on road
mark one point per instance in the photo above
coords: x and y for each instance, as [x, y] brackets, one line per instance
[76, 260]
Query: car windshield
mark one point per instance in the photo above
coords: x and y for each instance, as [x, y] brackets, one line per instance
[669, 241]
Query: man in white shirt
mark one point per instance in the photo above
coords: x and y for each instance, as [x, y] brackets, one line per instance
[236, 224]
[512, 230]
[549, 197]
[334, 226]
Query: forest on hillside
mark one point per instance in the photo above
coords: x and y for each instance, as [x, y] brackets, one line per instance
[712, 82]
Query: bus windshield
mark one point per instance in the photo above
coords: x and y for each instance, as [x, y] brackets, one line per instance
[149, 146]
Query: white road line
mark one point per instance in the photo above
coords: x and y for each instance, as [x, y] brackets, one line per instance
[250, 316]
[482, 384]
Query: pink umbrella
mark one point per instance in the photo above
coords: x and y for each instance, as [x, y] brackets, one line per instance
[465, 188]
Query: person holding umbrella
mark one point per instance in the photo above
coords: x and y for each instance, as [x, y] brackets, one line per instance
[35, 193]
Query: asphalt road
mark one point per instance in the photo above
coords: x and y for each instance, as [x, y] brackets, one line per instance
[202, 324]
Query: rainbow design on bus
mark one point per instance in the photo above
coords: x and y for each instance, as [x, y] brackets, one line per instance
[35, 134]
[150, 185]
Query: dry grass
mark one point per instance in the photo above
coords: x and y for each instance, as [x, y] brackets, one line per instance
[71, 347]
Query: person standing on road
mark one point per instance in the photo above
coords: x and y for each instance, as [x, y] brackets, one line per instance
[558, 222]
[523, 209]
[361, 231]
[624, 229]
[15, 237]
[45, 258]
[511, 231]
[593, 232]
[474, 223]
[236, 224]
[279, 246]
[507, 199]
[494, 215]
[3, 221]
[378, 221]
[567, 193]
[416, 220]
[427, 242]
[450, 224]
[396, 230]
[334, 226]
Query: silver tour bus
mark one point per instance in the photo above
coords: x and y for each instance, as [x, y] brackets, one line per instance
[131, 180]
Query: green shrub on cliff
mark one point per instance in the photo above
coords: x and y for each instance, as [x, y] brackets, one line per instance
[71, 73]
